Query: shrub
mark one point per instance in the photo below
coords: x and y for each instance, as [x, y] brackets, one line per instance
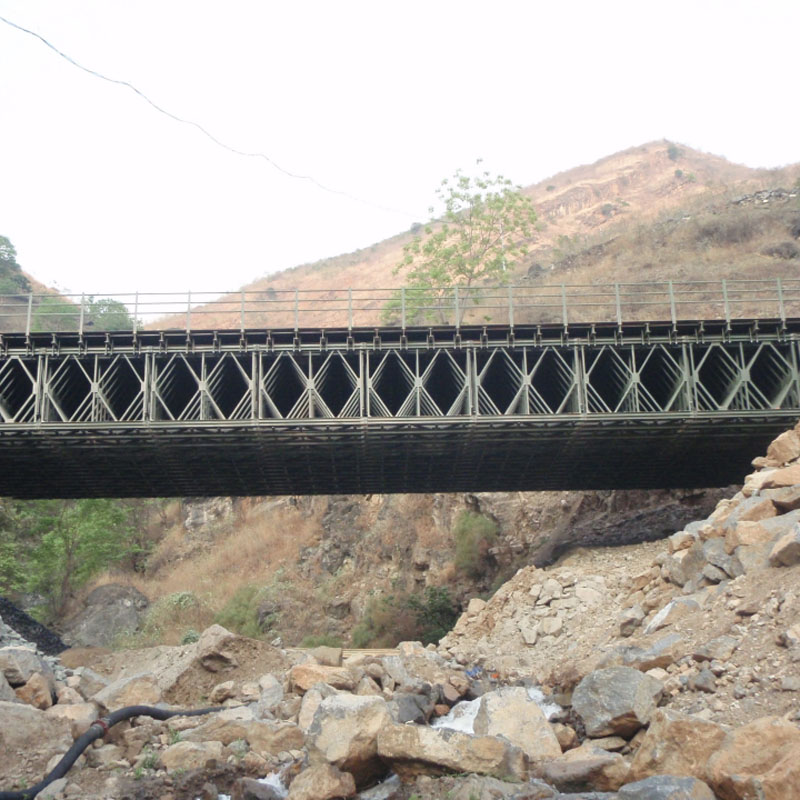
[786, 250]
[474, 534]
[678, 173]
[389, 619]
[240, 613]
[674, 152]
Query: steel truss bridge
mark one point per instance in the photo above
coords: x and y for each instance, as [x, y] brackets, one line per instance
[459, 406]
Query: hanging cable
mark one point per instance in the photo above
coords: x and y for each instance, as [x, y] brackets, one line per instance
[247, 154]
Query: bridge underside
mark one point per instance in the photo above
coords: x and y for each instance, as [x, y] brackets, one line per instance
[616, 452]
[489, 408]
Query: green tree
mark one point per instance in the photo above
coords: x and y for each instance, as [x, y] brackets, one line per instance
[55, 313]
[75, 539]
[12, 573]
[12, 280]
[481, 236]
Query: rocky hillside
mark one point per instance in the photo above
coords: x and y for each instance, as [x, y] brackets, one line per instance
[668, 669]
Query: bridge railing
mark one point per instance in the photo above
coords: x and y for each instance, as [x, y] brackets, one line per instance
[668, 301]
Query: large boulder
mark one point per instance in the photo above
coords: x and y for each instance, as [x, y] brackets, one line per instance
[758, 760]
[27, 731]
[616, 700]
[190, 755]
[676, 744]
[585, 768]
[412, 750]
[134, 691]
[303, 676]
[510, 712]
[108, 611]
[344, 732]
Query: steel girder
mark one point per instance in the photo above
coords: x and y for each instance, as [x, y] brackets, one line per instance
[435, 412]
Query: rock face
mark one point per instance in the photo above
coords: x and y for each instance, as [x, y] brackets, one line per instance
[109, 611]
[616, 700]
[322, 782]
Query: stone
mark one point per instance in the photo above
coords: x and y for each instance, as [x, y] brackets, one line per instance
[630, 619]
[213, 649]
[758, 760]
[565, 734]
[672, 612]
[412, 750]
[265, 737]
[784, 448]
[80, 716]
[405, 707]
[103, 756]
[585, 768]
[109, 610]
[475, 606]
[676, 744]
[666, 787]
[511, 713]
[778, 478]
[310, 703]
[344, 733]
[704, 681]
[134, 691]
[785, 499]
[747, 533]
[19, 663]
[271, 694]
[683, 565]
[89, 682]
[303, 676]
[616, 700]
[190, 755]
[222, 692]
[7, 694]
[327, 656]
[322, 782]
[551, 626]
[716, 554]
[36, 692]
[714, 574]
[719, 649]
[53, 790]
[786, 551]
[251, 789]
[611, 743]
[682, 540]
[791, 636]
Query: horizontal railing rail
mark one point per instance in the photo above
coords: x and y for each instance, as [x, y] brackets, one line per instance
[559, 304]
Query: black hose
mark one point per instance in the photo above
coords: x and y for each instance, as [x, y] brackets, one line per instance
[97, 730]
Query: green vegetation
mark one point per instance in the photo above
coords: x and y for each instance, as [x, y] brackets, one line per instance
[322, 640]
[102, 314]
[179, 608]
[53, 547]
[12, 280]
[474, 534]
[481, 236]
[243, 613]
[389, 619]
[674, 152]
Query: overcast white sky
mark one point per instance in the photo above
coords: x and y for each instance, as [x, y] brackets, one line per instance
[101, 193]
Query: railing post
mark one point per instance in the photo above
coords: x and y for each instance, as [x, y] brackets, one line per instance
[403, 308]
[511, 307]
[564, 304]
[241, 313]
[30, 315]
[350, 309]
[136, 313]
[80, 318]
[725, 299]
[455, 304]
[673, 314]
[781, 308]
[296, 310]
[188, 312]
[619, 305]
